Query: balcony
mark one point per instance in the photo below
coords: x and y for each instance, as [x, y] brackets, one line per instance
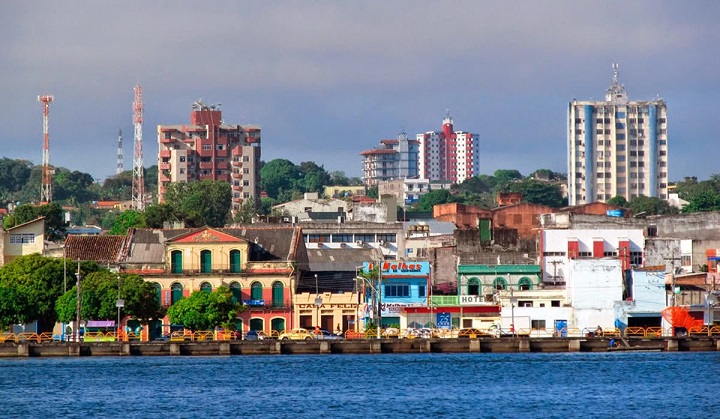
[164, 166]
[444, 300]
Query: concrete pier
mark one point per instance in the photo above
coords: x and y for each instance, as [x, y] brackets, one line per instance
[354, 346]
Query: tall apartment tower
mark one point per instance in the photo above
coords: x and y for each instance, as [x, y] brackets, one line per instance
[617, 147]
[448, 154]
[208, 148]
[394, 159]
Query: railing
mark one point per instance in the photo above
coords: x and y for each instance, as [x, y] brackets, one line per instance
[444, 300]
[26, 337]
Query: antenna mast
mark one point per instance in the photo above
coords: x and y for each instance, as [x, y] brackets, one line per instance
[119, 168]
[138, 188]
[46, 186]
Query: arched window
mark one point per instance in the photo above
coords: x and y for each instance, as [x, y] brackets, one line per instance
[500, 284]
[235, 261]
[176, 292]
[278, 294]
[176, 262]
[473, 286]
[525, 284]
[277, 324]
[158, 291]
[236, 291]
[206, 287]
[205, 261]
[257, 324]
[256, 291]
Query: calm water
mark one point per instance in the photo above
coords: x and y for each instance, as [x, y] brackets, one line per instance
[608, 385]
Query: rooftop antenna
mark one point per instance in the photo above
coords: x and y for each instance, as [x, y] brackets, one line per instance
[119, 168]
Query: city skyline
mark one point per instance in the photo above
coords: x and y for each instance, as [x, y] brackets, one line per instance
[326, 81]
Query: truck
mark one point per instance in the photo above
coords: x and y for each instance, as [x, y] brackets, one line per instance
[511, 326]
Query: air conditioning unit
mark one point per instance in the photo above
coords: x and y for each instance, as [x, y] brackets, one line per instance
[359, 242]
[381, 242]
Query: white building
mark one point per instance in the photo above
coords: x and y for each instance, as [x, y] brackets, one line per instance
[448, 154]
[394, 159]
[617, 147]
[409, 190]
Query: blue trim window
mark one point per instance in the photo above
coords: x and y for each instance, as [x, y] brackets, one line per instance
[397, 291]
[421, 291]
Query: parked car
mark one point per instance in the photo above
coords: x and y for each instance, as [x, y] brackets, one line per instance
[255, 335]
[326, 335]
[297, 334]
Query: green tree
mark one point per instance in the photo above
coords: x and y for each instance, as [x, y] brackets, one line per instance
[99, 294]
[157, 215]
[618, 201]
[650, 206]
[538, 192]
[127, 219]
[702, 199]
[55, 226]
[13, 307]
[277, 175]
[200, 203]
[372, 192]
[37, 282]
[432, 198]
[505, 176]
[248, 210]
[73, 185]
[205, 310]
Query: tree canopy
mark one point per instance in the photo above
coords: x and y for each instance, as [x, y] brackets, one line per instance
[200, 203]
[206, 310]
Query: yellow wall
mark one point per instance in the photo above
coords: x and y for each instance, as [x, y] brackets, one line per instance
[34, 230]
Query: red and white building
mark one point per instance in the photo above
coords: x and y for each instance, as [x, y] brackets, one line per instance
[208, 148]
[448, 154]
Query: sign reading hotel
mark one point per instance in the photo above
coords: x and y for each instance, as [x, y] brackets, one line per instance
[472, 300]
[394, 268]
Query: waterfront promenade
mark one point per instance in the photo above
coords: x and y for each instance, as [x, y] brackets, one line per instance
[356, 346]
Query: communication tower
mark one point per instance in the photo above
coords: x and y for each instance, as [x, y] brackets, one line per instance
[119, 168]
[138, 183]
[46, 185]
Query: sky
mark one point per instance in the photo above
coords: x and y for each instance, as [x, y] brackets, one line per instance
[327, 80]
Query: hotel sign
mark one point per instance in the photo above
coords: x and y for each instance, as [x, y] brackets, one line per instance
[472, 300]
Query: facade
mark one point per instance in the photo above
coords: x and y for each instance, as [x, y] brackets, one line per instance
[401, 286]
[386, 239]
[448, 154]
[24, 239]
[208, 148]
[617, 147]
[409, 190]
[394, 159]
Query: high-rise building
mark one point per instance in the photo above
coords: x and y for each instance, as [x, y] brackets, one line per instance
[448, 154]
[208, 148]
[617, 147]
[394, 159]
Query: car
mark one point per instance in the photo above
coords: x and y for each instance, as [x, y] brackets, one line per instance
[324, 334]
[297, 334]
[255, 335]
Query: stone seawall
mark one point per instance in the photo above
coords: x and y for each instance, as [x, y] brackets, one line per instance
[365, 346]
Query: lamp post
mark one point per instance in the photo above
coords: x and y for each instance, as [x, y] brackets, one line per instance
[78, 305]
[318, 302]
[513, 300]
[120, 304]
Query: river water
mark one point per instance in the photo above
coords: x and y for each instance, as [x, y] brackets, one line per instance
[479, 385]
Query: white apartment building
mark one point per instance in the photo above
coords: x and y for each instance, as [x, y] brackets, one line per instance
[448, 154]
[617, 147]
[394, 159]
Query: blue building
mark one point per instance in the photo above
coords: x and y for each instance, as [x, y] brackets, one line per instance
[401, 285]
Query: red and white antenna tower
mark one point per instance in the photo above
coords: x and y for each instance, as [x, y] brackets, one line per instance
[46, 186]
[138, 183]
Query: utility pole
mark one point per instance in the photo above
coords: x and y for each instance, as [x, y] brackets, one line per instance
[46, 187]
[379, 297]
[672, 260]
[77, 297]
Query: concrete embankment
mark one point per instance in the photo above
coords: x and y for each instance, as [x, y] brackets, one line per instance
[369, 346]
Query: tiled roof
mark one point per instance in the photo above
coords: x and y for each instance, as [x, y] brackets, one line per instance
[95, 248]
[270, 243]
[346, 259]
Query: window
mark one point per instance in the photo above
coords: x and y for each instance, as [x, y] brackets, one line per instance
[235, 261]
[525, 284]
[388, 238]
[525, 303]
[473, 287]
[205, 261]
[397, 291]
[176, 262]
[205, 287]
[176, 292]
[555, 303]
[158, 292]
[207, 146]
[278, 294]
[318, 238]
[236, 291]
[538, 324]
[256, 291]
[421, 291]
[499, 284]
[22, 238]
[182, 159]
[636, 258]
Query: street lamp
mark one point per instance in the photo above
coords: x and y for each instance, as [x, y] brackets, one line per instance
[77, 308]
[513, 300]
[318, 302]
[120, 304]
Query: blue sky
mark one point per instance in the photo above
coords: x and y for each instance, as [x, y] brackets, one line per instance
[329, 79]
